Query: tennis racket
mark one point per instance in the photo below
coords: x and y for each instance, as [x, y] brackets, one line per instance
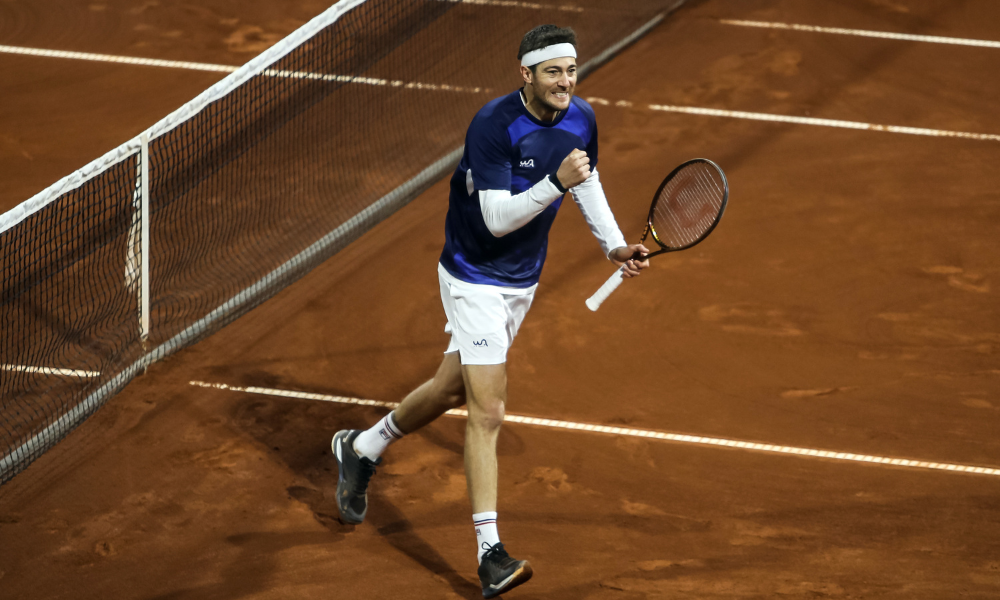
[686, 208]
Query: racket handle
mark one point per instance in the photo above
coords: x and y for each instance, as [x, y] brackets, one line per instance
[609, 286]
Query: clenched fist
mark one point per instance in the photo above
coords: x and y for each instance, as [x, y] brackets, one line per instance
[574, 170]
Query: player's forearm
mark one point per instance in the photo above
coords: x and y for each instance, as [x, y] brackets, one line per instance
[589, 196]
[504, 213]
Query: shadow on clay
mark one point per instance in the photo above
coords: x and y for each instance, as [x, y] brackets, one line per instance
[252, 570]
[293, 432]
[449, 434]
[399, 532]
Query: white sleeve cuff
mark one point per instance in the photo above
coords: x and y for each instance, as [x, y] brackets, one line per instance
[589, 196]
[504, 213]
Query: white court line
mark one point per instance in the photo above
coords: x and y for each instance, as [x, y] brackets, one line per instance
[934, 39]
[736, 114]
[477, 90]
[641, 433]
[49, 371]
[410, 85]
[193, 66]
[128, 60]
[515, 4]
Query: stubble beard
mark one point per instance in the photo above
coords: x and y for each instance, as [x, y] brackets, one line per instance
[556, 109]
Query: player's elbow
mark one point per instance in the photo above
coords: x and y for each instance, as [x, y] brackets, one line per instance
[491, 204]
[497, 231]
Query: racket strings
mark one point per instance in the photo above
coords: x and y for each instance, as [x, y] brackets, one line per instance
[688, 206]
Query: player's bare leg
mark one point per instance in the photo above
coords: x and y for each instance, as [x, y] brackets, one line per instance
[359, 452]
[486, 395]
[434, 397]
[486, 389]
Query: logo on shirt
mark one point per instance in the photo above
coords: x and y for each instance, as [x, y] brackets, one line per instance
[528, 164]
[481, 342]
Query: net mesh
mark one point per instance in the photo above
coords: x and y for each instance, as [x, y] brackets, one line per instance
[688, 204]
[249, 191]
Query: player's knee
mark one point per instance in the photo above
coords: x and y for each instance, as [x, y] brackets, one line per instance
[490, 416]
[450, 394]
[454, 399]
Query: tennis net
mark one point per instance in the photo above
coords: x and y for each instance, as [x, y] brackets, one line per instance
[243, 190]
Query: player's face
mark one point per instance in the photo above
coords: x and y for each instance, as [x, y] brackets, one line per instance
[554, 81]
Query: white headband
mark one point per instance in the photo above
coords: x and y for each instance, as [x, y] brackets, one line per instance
[548, 53]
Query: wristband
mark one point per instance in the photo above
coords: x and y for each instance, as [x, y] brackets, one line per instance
[555, 182]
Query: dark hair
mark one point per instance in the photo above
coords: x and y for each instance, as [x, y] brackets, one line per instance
[545, 35]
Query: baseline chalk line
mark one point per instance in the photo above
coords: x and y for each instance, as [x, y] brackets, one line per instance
[49, 371]
[632, 432]
[194, 66]
[933, 39]
[516, 4]
[415, 85]
[128, 60]
[754, 116]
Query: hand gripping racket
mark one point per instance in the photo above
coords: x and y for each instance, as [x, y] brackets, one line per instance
[686, 208]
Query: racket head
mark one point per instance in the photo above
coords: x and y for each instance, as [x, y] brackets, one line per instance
[688, 205]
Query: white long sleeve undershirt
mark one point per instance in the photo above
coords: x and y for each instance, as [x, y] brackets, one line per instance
[504, 213]
[589, 196]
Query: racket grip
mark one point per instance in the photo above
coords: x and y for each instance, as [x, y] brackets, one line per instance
[594, 302]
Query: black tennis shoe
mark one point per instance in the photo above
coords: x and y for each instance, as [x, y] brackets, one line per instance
[500, 573]
[354, 473]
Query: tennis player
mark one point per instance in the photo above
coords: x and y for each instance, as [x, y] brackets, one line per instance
[523, 152]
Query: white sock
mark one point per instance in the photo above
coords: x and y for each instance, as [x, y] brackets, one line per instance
[373, 442]
[486, 532]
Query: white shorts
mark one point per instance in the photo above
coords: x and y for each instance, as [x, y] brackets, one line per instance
[482, 319]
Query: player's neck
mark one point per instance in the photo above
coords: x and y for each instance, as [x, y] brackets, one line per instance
[536, 107]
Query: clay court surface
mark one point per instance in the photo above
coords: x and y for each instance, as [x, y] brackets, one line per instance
[847, 302]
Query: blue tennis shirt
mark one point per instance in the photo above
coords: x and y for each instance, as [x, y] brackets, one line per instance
[507, 148]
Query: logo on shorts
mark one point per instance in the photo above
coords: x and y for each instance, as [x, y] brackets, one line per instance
[481, 343]
[528, 164]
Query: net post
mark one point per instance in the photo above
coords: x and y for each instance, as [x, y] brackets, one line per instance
[144, 239]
